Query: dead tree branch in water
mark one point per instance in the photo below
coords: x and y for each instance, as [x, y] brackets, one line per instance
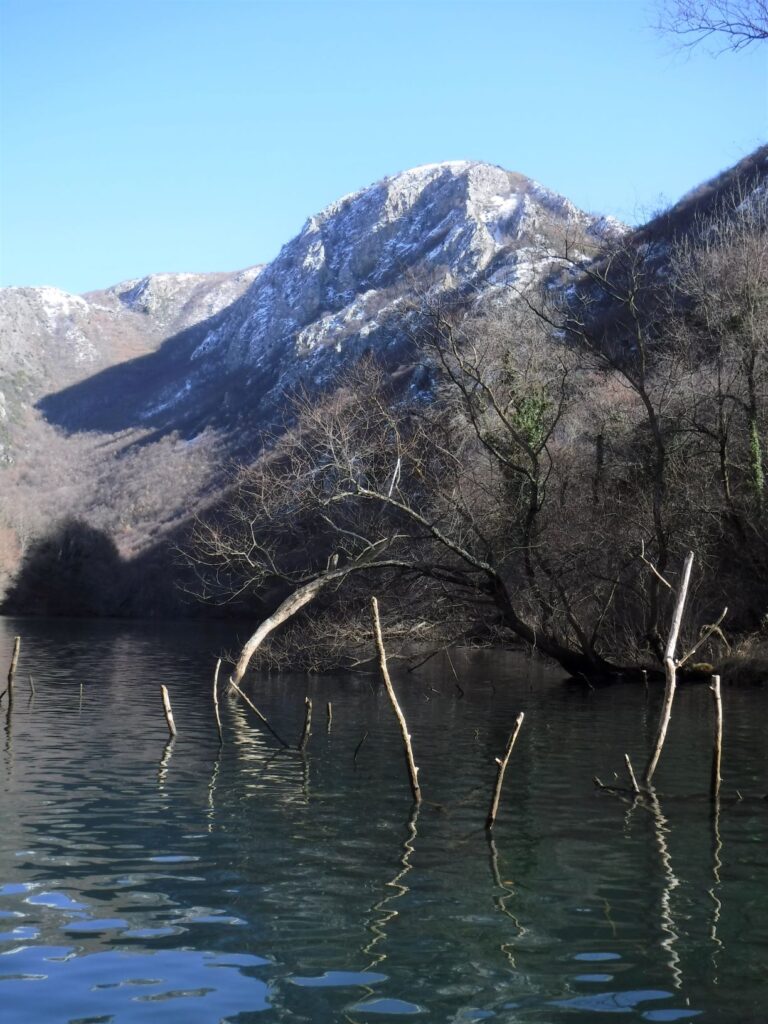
[167, 710]
[258, 713]
[502, 767]
[413, 771]
[670, 667]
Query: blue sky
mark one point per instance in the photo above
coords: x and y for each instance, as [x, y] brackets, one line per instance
[200, 134]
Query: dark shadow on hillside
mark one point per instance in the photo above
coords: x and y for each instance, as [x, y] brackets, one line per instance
[138, 393]
[76, 570]
[167, 391]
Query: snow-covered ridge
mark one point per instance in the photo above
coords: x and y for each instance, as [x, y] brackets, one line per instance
[345, 274]
[169, 298]
[54, 338]
[343, 284]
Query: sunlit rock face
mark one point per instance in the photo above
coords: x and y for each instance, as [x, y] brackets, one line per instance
[343, 285]
[353, 265]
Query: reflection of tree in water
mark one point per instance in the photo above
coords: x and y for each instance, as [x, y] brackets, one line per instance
[165, 761]
[714, 891]
[384, 906]
[671, 882]
[211, 809]
[501, 899]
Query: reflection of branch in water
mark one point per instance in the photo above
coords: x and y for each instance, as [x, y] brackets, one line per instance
[717, 863]
[249, 743]
[165, 760]
[608, 918]
[305, 776]
[628, 816]
[501, 899]
[378, 927]
[8, 745]
[252, 751]
[212, 790]
[259, 714]
[660, 827]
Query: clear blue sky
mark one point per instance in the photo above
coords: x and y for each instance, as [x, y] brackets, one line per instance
[157, 135]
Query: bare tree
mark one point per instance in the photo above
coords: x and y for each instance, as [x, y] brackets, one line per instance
[572, 437]
[731, 24]
[721, 271]
[455, 495]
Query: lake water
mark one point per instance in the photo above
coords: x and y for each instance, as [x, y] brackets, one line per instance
[148, 882]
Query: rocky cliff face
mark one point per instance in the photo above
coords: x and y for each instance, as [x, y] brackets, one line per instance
[227, 348]
[341, 284]
[120, 406]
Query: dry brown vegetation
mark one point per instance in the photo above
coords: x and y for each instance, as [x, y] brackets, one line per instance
[574, 437]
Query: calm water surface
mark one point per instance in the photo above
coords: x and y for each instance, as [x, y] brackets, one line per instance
[142, 881]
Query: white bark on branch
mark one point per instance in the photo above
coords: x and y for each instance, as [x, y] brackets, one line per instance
[413, 771]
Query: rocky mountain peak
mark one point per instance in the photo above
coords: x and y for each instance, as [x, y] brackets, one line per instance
[348, 269]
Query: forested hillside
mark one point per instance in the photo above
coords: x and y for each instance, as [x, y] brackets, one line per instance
[577, 438]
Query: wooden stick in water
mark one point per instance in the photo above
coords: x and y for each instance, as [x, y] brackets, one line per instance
[631, 770]
[14, 662]
[216, 700]
[670, 667]
[413, 771]
[329, 713]
[502, 767]
[358, 748]
[307, 724]
[168, 712]
[12, 671]
[32, 685]
[718, 739]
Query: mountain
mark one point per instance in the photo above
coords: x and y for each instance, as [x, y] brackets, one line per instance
[50, 339]
[336, 289]
[122, 408]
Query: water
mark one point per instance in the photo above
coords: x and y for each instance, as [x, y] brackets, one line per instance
[142, 881]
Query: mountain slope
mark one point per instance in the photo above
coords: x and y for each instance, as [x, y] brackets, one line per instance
[336, 289]
[121, 407]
